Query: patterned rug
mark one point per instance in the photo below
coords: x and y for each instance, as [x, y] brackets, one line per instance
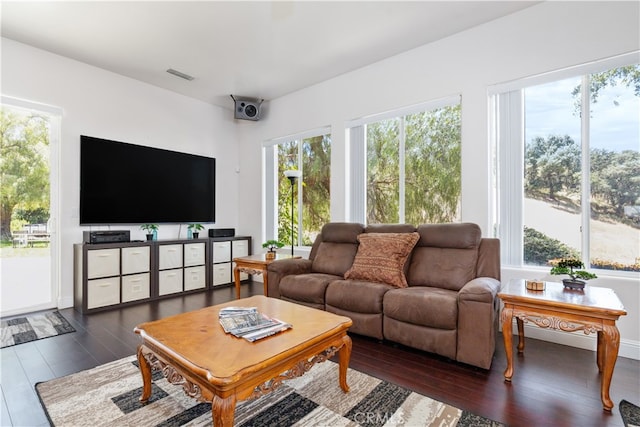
[33, 327]
[108, 395]
[630, 414]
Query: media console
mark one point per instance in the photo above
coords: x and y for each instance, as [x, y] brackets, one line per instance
[112, 275]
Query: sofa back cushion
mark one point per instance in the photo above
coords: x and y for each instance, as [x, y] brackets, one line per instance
[381, 258]
[446, 256]
[335, 248]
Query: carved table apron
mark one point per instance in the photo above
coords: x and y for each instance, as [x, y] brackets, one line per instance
[223, 381]
[594, 310]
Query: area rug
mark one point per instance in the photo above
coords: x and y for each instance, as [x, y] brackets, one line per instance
[33, 327]
[630, 414]
[108, 396]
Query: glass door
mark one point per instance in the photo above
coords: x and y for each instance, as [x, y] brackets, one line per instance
[28, 202]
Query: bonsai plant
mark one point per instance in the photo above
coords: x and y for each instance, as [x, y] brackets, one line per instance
[569, 267]
[271, 246]
[195, 228]
[149, 228]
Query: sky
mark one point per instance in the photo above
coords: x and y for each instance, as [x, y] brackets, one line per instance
[615, 117]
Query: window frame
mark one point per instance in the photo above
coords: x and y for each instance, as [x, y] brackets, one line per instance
[270, 182]
[507, 127]
[356, 140]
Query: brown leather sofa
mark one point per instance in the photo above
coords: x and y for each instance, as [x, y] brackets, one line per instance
[449, 306]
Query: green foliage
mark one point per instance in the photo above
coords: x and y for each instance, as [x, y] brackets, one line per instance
[552, 165]
[432, 175]
[615, 178]
[272, 245]
[568, 266]
[31, 216]
[149, 228]
[195, 227]
[539, 248]
[24, 165]
[315, 156]
[628, 76]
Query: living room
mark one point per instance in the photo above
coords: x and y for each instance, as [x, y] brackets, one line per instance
[542, 38]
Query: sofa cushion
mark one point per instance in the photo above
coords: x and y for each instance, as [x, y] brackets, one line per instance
[356, 296]
[446, 255]
[334, 258]
[309, 288]
[424, 306]
[381, 257]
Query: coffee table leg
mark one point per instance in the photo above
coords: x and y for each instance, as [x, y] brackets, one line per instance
[222, 411]
[611, 338]
[507, 335]
[344, 357]
[600, 352]
[145, 370]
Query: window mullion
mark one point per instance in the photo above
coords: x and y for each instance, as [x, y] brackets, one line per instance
[401, 172]
[585, 171]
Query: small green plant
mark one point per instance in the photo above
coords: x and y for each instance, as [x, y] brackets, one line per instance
[149, 228]
[569, 267]
[195, 227]
[272, 245]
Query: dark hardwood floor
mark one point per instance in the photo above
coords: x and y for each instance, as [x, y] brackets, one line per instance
[553, 385]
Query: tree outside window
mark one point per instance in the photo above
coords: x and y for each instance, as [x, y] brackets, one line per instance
[414, 168]
[312, 156]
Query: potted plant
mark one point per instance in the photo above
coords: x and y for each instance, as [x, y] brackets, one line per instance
[271, 246]
[195, 228]
[570, 266]
[150, 229]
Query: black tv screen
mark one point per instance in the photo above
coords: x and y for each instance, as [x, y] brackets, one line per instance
[123, 183]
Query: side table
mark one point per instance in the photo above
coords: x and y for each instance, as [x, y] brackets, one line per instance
[590, 310]
[255, 264]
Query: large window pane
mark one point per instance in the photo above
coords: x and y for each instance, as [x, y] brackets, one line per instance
[414, 167]
[433, 166]
[383, 173]
[615, 171]
[580, 169]
[552, 171]
[316, 164]
[311, 194]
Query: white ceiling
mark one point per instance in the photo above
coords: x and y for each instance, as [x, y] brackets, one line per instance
[260, 49]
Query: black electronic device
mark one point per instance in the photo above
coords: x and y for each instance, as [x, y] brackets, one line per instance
[222, 232]
[106, 236]
[123, 183]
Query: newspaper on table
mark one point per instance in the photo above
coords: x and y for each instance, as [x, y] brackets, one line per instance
[249, 323]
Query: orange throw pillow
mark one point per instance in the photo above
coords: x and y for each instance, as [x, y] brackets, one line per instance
[381, 258]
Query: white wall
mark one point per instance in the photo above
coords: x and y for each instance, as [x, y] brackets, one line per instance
[546, 37]
[99, 103]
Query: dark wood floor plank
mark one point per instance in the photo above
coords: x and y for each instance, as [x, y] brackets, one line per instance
[553, 385]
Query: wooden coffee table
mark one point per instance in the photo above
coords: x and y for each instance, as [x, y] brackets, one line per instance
[193, 351]
[255, 264]
[592, 310]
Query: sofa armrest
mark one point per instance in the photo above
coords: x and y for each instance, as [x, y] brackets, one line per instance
[477, 321]
[284, 267]
[481, 289]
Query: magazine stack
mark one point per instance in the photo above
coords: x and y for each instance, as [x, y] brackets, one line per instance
[249, 323]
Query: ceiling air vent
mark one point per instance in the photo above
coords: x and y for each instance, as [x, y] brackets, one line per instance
[179, 74]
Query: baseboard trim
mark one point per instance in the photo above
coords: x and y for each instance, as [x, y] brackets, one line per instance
[628, 348]
[65, 302]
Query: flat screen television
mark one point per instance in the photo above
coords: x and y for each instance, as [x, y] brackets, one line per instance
[123, 183]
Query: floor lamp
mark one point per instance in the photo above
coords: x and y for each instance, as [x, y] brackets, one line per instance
[293, 175]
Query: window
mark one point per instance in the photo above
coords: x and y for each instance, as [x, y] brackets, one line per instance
[309, 153]
[569, 167]
[406, 166]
